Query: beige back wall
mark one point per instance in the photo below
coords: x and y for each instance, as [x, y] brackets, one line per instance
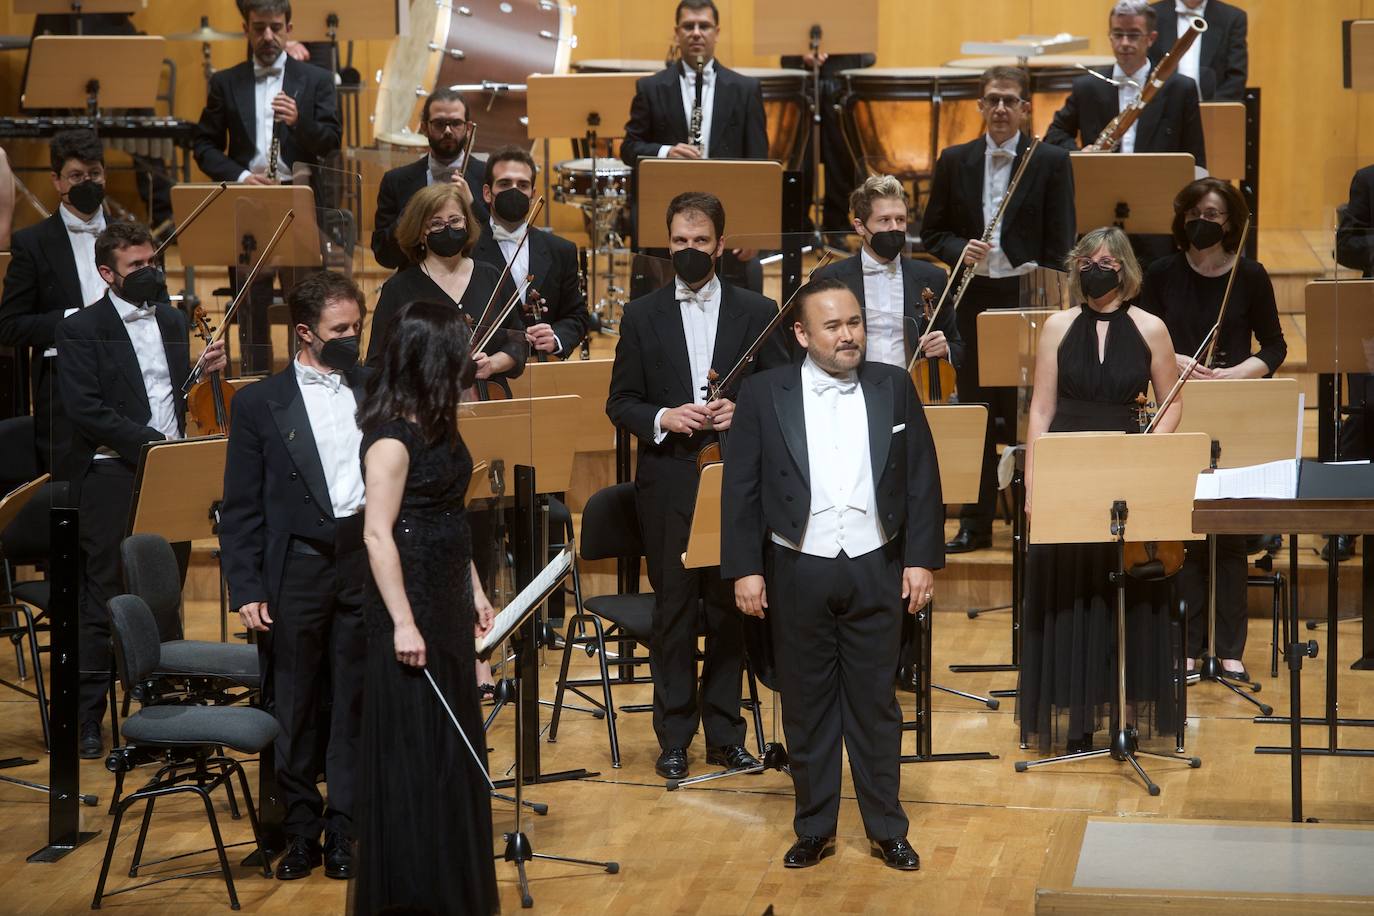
[1314, 132]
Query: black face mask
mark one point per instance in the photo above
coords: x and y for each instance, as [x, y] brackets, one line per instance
[341, 353]
[1099, 281]
[692, 265]
[1203, 233]
[147, 284]
[888, 244]
[447, 241]
[87, 196]
[511, 205]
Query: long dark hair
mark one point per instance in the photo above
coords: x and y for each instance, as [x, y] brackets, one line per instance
[422, 373]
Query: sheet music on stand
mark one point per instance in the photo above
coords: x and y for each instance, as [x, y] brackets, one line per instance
[522, 605]
[1272, 480]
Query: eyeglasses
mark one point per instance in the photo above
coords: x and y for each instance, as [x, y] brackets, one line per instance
[1106, 263]
[698, 26]
[1118, 35]
[443, 124]
[79, 177]
[1003, 101]
[453, 222]
[1211, 213]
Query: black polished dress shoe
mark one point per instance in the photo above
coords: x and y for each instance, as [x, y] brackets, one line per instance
[302, 854]
[338, 856]
[808, 850]
[1345, 548]
[672, 763]
[967, 539]
[90, 745]
[733, 756]
[906, 678]
[896, 853]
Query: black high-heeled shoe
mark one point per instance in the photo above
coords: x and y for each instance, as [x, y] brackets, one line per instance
[486, 692]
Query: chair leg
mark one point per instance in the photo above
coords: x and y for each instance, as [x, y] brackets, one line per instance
[611, 733]
[569, 640]
[234, 812]
[754, 707]
[114, 712]
[142, 837]
[109, 854]
[219, 848]
[1274, 643]
[39, 687]
[118, 791]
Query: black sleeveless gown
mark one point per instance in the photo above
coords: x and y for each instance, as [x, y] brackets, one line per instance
[425, 832]
[1068, 659]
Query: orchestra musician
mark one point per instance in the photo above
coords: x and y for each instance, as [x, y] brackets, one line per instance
[268, 97]
[564, 321]
[733, 125]
[291, 541]
[887, 285]
[120, 368]
[833, 522]
[1219, 60]
[669, 340]
[53, 273]
[1036, 230]
[1186, 290]
[444, 123]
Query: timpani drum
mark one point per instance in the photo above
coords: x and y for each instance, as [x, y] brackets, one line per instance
[1052, 77]
[897, 119]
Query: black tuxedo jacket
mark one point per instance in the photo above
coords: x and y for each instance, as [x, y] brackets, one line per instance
[274, 485]
[657, 117]
[916, 275]
[1224, 62]
[397, 188]
[226, 139]
[652, 369]
[767, 483]
[1171, 123]
[553, 264]
[1355, 235]
[101, 384]
[1039, 223]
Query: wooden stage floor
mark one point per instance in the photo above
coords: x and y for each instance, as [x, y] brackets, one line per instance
[982, 830]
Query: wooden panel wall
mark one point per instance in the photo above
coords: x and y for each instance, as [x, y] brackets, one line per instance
[1315, 133]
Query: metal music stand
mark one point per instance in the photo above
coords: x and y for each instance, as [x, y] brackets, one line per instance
[1086, 485]
[1250, 421]
[89, 72]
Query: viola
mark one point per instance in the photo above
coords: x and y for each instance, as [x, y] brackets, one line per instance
[933, 375]
[207, 403]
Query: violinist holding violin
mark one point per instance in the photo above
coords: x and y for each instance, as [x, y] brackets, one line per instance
[1092, 363]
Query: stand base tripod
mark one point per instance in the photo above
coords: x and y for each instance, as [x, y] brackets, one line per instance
[774, 758]
[8, 762]
[519, 851]
[1211, 670]
[1125, 748]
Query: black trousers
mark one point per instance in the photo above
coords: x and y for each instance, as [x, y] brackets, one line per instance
[314, 656]
[686, 601]
[1232, 573]
[985, 293]
[1355, 430]
[836, 624]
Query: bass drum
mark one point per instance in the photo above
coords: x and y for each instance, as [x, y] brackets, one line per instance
[470, 44]
[1051, 78]
[896, 120]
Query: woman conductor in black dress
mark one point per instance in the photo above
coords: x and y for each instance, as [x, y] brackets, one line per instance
[1186, 289]
[1091, 364]
[425, 833]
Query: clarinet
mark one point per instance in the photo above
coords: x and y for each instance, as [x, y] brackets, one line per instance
[696, 138]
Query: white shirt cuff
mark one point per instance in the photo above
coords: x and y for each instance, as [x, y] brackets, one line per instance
[557, 345]
[243, 176]
[659, 432]
[663, 152]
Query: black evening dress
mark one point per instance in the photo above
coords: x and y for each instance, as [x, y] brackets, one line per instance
[1068, 659]
[425, 832]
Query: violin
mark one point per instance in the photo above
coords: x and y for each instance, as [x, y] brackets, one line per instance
[933, 376]
[207, 403]
[533, 311]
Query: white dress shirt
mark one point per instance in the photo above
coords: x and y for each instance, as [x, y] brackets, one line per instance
[509, 241]
[445, 169]
[331, 406]
[1192, 58]
[997, 161]
[844, 516]
[82, 233]
[884, 310]
[1125, 95]
[700, 317]
[267, 83]
[687, 80]
[140, 323]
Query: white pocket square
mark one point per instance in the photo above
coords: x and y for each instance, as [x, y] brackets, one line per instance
[898, 428]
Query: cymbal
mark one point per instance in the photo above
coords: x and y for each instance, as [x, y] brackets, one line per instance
[205, 33]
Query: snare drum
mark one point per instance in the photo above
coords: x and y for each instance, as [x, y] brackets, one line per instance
[1051, 77]
[578, 180]
[786, 106]
[896, 120]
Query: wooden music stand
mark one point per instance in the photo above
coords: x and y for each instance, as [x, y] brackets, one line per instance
[588, 380]
[1135, 192]
[1357, 44]
[352, 20]
[1340, 319]
[248, 213]
[1223, 131]
[574, 104]
[90, 72]
[1007, 342]
[1250, 421]
[750, 190]
[783, 26]
[703, 541]
[1093, 488]
[533, 432]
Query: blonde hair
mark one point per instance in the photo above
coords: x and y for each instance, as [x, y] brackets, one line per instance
[875, 187]
[1119, 247]
[413, 225]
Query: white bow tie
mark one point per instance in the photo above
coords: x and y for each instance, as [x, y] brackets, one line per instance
[837, 385]
[139, 313]
[310, 376]
[874, 269]
[698, 297]
[88, 228]
[501, 234]
[1183, 8]
[1000, 155]
[265, 73]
